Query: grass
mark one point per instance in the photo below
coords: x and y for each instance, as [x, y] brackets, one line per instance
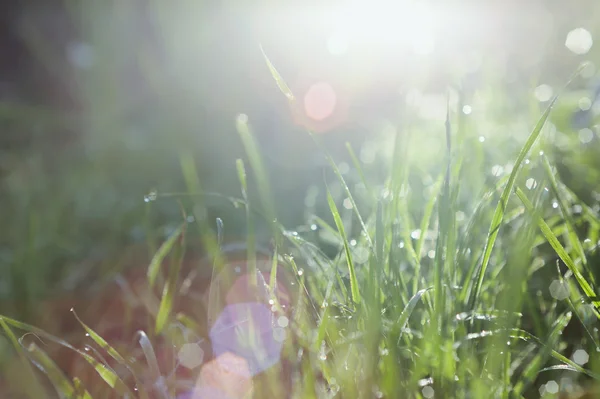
[402, 323]
[441, 289]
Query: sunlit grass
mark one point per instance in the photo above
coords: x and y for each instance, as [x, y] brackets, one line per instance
[439, 280]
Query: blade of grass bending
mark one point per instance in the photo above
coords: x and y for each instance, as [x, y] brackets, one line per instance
[150, 356]
[338, 174]
[561, 252]
[288, 93]
[277, 77]
[103, 370]
[59, 380]
[159, 256]
[528, 337]
[572, 234]
[338, 222]
[170, 288]
[33, 387]
[101, 341]
[81, 392]
[408, 309]
[501, 207]
[574, 309]
[536, 364]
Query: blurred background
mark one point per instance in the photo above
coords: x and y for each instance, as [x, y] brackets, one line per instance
[99, 101]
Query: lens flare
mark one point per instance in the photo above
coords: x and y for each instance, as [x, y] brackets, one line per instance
[320, 101]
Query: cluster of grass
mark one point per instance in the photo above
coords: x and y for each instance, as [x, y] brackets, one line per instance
[445, 291]
[448, 279]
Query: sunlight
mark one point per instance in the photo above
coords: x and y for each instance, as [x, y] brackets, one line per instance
[388, 22]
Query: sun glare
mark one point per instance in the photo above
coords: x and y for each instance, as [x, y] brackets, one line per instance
[320, 101]
[394, 22]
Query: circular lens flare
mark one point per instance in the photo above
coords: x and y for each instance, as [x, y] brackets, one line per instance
[320, 101]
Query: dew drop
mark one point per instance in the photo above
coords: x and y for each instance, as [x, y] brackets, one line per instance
[151, 196]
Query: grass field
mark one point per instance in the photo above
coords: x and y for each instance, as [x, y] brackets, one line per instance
[456, 262]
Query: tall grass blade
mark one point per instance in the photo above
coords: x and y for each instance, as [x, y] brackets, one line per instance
[103, 370]
[536, 364]
[408, 310]
[170, 288]
[163, 251]
[502, 204]
[568, 219]
[33, 387]
[59, 380]
[251, 235]
[355, 292]
[80, 391]
[277, 77]
[585, 286]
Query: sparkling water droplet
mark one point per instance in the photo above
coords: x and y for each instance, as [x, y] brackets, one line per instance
[151, 196]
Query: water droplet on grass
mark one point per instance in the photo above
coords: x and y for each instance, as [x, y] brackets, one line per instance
[151, 196]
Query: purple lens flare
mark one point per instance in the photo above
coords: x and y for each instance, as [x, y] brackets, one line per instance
[247, 330]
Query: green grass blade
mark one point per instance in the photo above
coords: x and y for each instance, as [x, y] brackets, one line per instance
[408, 310]
[340, 226]
[573, 238]
[101, 342]
[163, 251]
[528, 337]
[103, 370]
[149, 354]
[536, 364]
[59, 380]
[33, 387]
[585, 286]
[501, 207]
[250, 236]
[80, 390]
[260, 176]
[170, 288]
[278, 79]
[502, 204]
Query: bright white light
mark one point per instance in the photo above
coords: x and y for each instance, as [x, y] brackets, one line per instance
[338, 43]
[579, 41]
[391, 21]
